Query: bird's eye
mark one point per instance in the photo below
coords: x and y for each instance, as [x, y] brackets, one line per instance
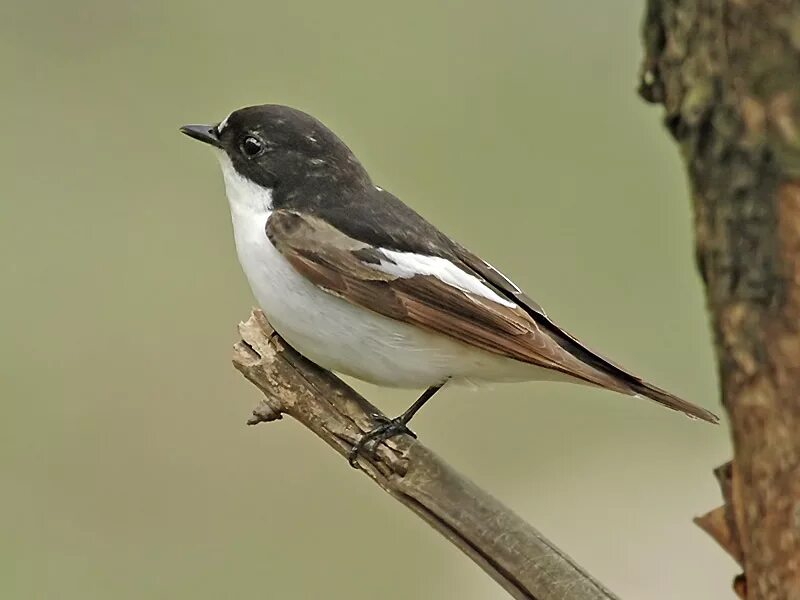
[252, 146]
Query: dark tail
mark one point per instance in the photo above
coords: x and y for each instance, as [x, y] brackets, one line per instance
[616, 378]
[664, 398]
[606, 374]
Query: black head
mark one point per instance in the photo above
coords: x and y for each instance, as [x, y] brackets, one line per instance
[284, 149]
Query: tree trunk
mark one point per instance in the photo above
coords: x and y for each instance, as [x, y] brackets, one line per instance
[728, 74]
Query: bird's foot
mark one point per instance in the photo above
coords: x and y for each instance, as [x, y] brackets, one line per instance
[386, 429]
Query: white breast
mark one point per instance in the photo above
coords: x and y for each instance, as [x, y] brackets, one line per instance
[338, 335]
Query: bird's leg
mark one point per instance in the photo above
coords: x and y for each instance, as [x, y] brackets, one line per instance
[391, 427]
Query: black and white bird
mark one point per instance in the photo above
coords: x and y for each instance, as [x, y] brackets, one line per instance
[361, 284]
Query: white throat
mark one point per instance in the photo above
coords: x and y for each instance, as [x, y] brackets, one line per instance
[244, 195]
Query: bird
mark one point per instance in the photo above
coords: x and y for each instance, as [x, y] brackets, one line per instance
[361, 284]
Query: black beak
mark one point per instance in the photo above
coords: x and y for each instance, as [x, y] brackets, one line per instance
[204, 133]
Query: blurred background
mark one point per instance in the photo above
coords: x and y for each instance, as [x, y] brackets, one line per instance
[126, 469]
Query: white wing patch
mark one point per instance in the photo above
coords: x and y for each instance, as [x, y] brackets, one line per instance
[408, 264]
[510, 283]
[513, 286]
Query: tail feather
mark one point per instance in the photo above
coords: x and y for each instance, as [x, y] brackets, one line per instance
[664, 398]
[611, 376]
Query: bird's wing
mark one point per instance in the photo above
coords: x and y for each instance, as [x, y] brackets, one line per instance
[429, 292]
[462, 297]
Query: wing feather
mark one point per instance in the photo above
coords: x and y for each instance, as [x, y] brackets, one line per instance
[341, 264]
[348, 268]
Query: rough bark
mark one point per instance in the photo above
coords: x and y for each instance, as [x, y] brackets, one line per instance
[517, 556]
[728, 75]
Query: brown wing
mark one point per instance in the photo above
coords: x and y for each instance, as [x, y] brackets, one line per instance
[347, 268]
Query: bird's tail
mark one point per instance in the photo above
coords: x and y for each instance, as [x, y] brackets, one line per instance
[664, 398]
[604, 373]
[590, 367]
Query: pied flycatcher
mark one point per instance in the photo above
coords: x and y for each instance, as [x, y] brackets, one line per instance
[359, 283]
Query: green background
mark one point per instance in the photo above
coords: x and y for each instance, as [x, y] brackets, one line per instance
[126, 470]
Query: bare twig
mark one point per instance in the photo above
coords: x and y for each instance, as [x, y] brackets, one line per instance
[512, 552]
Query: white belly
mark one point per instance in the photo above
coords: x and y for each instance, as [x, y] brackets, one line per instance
[343, 337]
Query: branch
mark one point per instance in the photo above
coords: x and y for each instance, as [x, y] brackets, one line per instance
[513, 553]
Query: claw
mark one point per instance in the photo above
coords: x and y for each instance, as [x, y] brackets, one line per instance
[388, 428]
